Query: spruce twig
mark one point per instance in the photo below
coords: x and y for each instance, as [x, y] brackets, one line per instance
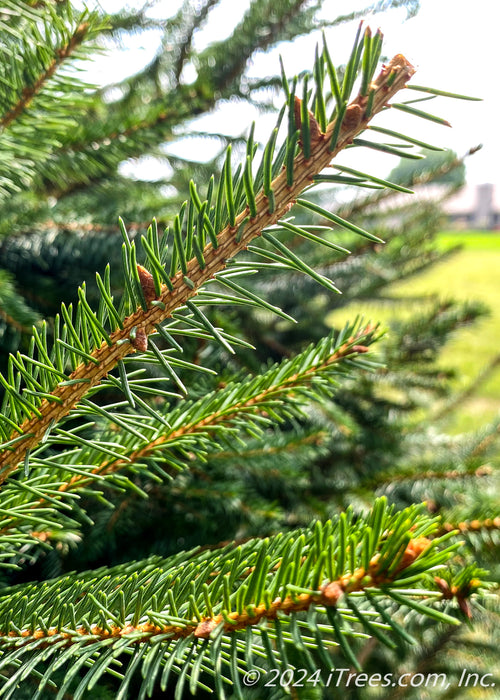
[182, 287]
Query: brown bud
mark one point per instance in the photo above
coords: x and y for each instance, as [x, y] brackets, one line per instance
[140, 341]
[204, 628]
[464, 607]
[316, 133]
[147, 283]
[413, 550]
[352, 118]
[443, 587]
[331, 593]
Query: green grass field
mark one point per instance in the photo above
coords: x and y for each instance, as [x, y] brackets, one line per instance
[472, 273]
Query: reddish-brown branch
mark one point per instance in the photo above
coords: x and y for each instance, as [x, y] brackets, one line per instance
[472, 525]
[392, 78]
[348, 349]
[227, 415]
[328, 596]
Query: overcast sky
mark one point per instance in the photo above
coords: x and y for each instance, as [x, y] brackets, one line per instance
[452, 43]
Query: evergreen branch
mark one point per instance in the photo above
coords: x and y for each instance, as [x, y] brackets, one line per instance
[36, 89]
[461, 397]
[247, 38]
[99, 154]
[490, 438]
[133, 20]
[166, 296]
[200, 427]
[11, 321]
[263, 25]
[30, 91]
[389, 481]
[197, 21]
[440, 645]
[13, 310]
[283, 383]
[369, 579]
[469, 472]
[316, 438]
[468, 526]
[417, 179]
[182, 611]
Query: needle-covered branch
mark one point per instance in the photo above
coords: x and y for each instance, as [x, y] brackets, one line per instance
[200, 427]
[60, 393]
[322, 587]
[39, 94]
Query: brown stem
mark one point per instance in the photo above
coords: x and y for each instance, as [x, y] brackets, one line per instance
[328, 596]
[471, 472]
[472, 525]
[392, 78]
[9, 320]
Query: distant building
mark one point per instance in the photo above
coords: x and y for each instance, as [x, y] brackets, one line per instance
[470, 207]
[475, 206]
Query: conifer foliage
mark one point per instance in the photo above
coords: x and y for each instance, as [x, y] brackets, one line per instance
[128, 389]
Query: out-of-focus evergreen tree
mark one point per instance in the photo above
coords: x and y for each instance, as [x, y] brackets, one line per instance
[435, 165]
[271, 433]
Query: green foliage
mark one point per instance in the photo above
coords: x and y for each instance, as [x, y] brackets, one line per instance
[38, 96]
[408, 172]
[202, 615]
